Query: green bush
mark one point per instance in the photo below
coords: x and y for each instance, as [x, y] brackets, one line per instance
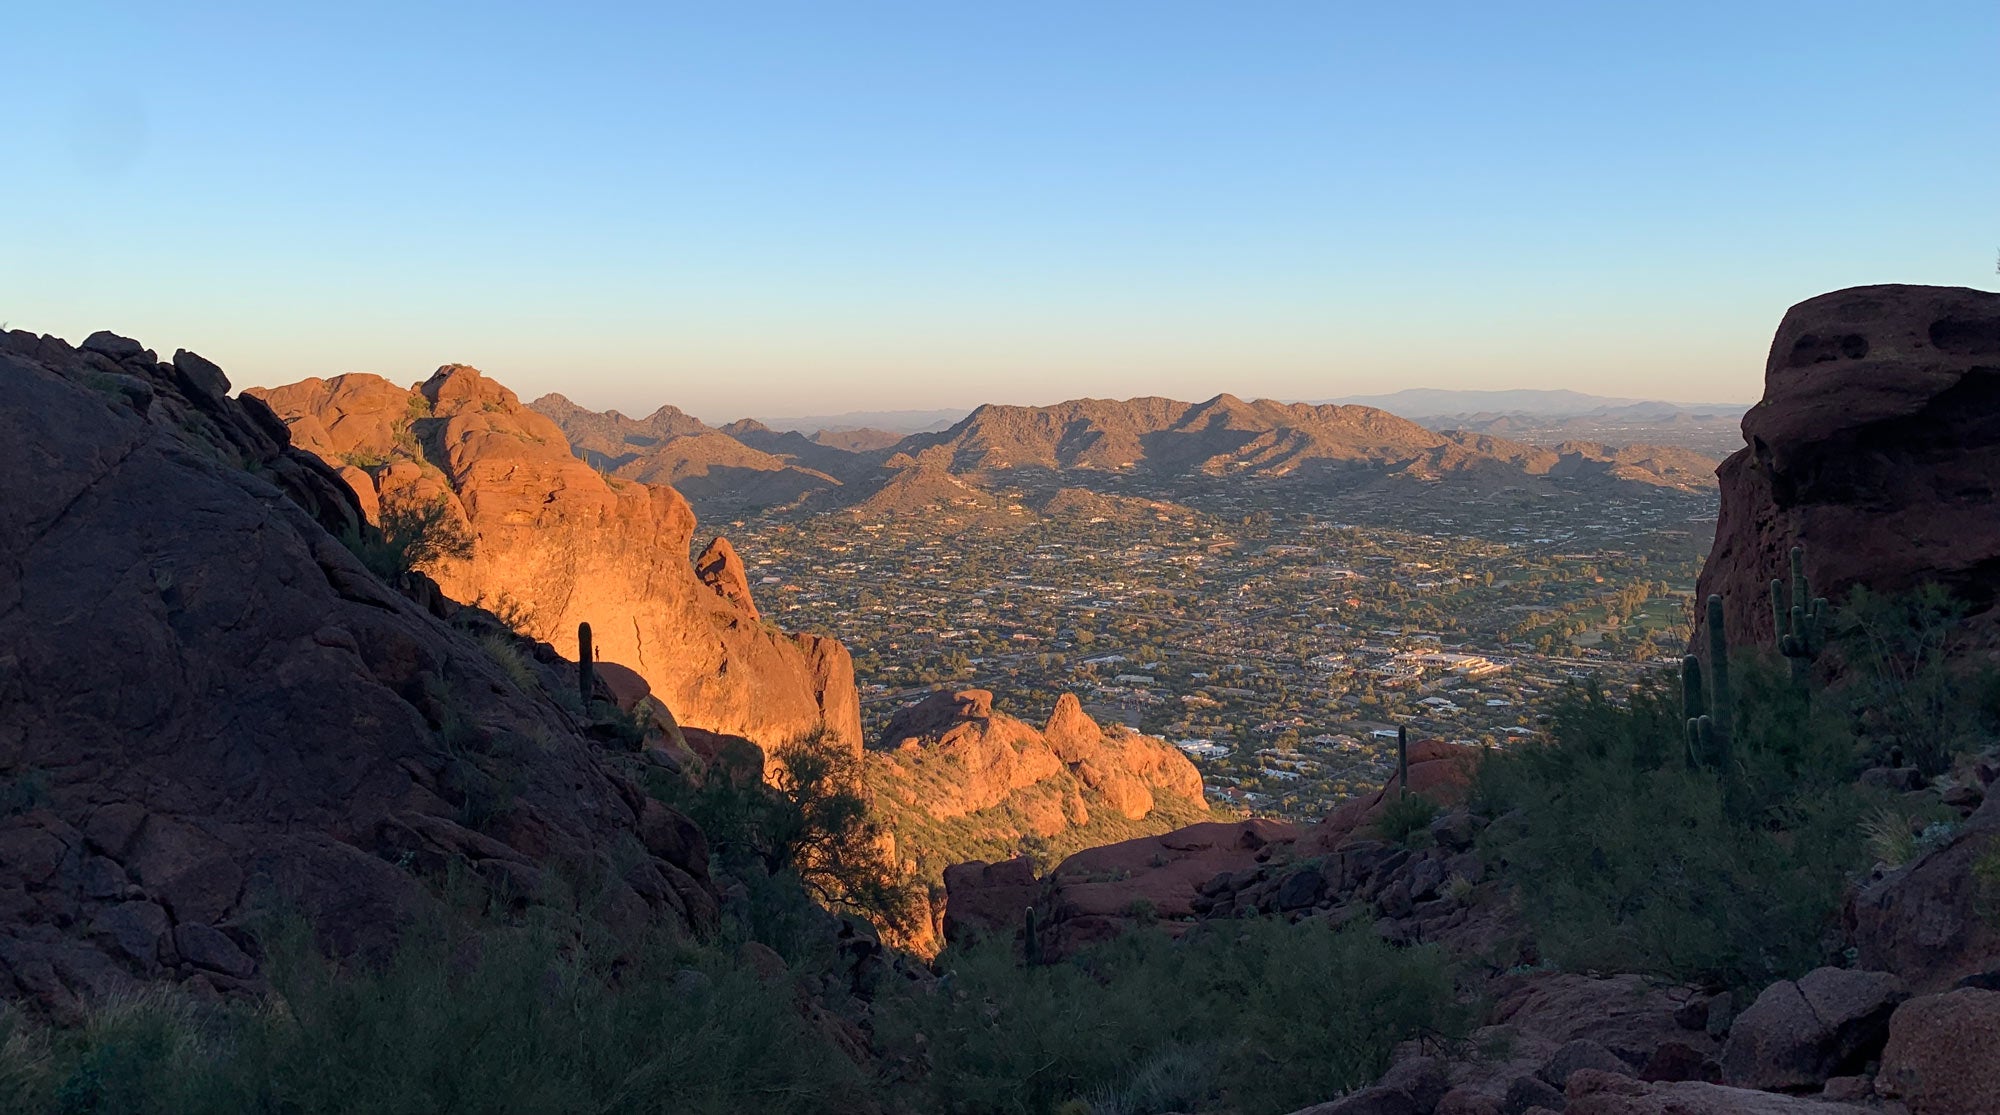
[1256, 1016]
[1406, 819]
[811, 826]
[1626, 858]
[509, 1022]
[1916, 696]
[413, 536]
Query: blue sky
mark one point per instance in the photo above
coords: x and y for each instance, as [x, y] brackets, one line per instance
[797, 208]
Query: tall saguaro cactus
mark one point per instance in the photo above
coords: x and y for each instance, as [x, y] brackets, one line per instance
[1403, 759]
[586, 667]
[1709, 723]
[1032, 939]
[1800, 629]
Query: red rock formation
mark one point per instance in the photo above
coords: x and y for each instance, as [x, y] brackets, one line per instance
[953, 755]
[1099, 893]
[720, 569]
[207, 701]
[557, 544]
[1877, 446]
[1439, 771]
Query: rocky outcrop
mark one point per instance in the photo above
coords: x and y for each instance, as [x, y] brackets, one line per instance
[1123, 768]
[209, 707]
[1828, 1022]
[1601, 1093]
[1099, 893]
[957, 773]
[1936, 920]
[720, 569]
[1876, 445]
[1439, 771]
[1943, 1056]
[556, 544]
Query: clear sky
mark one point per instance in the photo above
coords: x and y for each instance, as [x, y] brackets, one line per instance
[809, 207]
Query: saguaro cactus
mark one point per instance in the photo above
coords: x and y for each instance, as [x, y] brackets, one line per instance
[1800, 630]
[1403, 759]
[1032, 939]
[1708, 724]
[586, 668]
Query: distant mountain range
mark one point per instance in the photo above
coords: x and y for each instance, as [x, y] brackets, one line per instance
[1434, 402]
[960, 473]
[892, 421]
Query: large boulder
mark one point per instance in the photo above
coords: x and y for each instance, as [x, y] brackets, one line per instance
[1875, 445]
[1439, 771]
[1099, 893]
[1933, 920]
[1828, 1022]
[1599, 1093]
[1943, 1056]
[209, 707]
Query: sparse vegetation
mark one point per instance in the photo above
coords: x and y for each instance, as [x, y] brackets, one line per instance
[517, 1022]
[1406, 820]
[414, 536]
[1629, 857]
[1150, 1024]
[812, 825]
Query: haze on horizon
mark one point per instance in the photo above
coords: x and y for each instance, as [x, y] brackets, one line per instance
[799, 209]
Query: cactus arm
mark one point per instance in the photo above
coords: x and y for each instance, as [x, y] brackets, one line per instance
[586, 667]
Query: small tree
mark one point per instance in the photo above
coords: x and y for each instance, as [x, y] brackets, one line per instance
[414, 536]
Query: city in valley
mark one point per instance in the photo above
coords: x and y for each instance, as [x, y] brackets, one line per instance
[1278, 646]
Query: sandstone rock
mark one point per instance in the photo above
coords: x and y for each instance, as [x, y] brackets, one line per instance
[1092, 895]
[987, 898]
[556, 544]
[1468, 1101]
[1943, 1056]
[1598, 1093]
[1529, 1091]
[1799, 1033]
[1874, 447]
[1424, 1079]
[1367, 1101]
[1580, 1054]
[720, 569]
[1439, 771]
[207, 947]
[226, 704]
[970, 767]
[1927, 920]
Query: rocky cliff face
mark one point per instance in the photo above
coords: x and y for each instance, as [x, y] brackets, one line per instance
[208, 705]
[959, 777]
[1877, 446]
[557, 544]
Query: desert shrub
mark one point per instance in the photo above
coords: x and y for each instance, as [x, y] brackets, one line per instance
[1627, 857]
[514, 1022]
[414, 535]
[506, 655]
[1255, 1016]
[811, 827]
[1916, 697]
[1406, 819]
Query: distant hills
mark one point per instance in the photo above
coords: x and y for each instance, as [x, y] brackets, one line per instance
[892, 421]
[1434, 402]
[1001, 462]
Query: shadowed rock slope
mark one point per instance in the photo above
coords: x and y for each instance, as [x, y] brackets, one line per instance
[1877, 447]
[557, 544]
[209, 707]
